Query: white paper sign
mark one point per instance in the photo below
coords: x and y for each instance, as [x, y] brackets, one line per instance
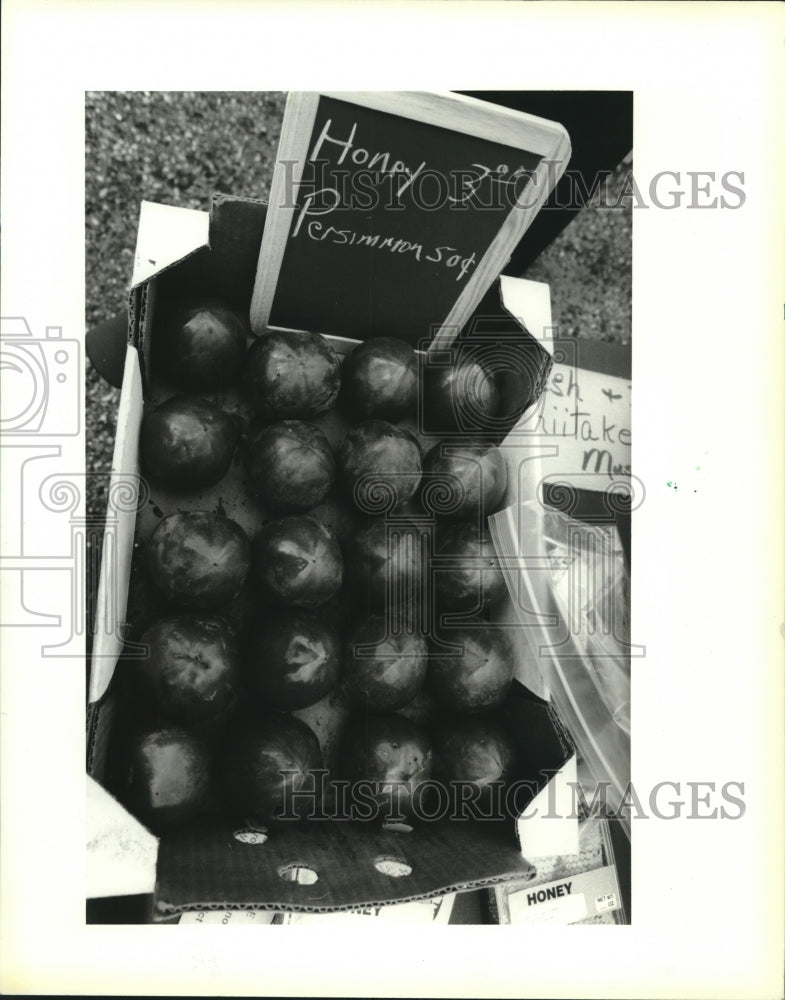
[566, 900]
[583, 419]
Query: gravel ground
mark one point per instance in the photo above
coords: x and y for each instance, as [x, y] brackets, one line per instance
[174, 148]
[179, 148]
[589, 267]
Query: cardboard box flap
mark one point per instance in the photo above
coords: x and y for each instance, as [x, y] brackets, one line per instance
[121, 852]
[550, 824]
[225, 269]
[206, 867]
[125, 490]
[529, 303]
[166, 235]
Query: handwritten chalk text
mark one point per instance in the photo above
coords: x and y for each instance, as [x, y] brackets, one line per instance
[447, 256]
[356, 177]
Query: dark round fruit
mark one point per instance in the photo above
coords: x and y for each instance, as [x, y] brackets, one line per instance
[383, 671]
[380, 378]
[460, 397]
[475, 676]
[297, 561]
[187, 444]
[463, 481]
[382, 749]
[294, 660]
[266, 760]
[384, 566]
[292, 374]
[290, 466]
[192, 669]
[477, 750]
[465, 571]
[204, 348]
[197, 559]
[166, 777]
[379, 466]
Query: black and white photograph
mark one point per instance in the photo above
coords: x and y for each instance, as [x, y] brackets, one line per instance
[335, 592]
[343, 418]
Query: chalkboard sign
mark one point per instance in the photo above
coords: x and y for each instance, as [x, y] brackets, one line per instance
[392, 213]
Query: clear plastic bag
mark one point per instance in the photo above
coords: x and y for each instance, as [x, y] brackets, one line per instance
[570, 589]
[590, 586]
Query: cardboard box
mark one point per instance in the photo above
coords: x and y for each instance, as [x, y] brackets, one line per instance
[213, 865]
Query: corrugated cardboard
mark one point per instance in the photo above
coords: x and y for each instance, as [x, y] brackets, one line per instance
[205, 867]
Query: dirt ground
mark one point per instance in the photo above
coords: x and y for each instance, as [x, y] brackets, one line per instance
[179, 148]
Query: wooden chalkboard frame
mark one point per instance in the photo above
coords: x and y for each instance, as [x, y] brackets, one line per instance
[455, 112]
